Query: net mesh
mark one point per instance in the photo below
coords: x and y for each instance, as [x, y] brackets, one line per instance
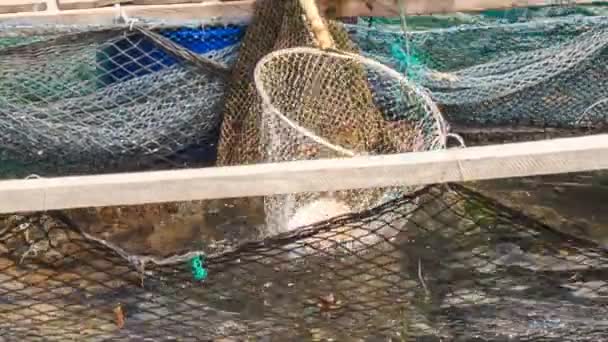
[463, 268]
[110, 99]
[443, 262]
[539, 69]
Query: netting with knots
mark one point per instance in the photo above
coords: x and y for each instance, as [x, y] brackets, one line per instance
[82, 100]
[441, 263]
[462, 268]
[546, 71]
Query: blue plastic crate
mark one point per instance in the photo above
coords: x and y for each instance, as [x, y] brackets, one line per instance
[137, 56]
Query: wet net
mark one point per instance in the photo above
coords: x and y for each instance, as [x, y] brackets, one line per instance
[80, 100]
[527, 68]
[461, 268]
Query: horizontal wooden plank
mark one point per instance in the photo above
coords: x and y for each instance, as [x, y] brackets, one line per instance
[84, 4]
[457, 165]
[225, 12]
[390, 8]
[14, 6]
[228, 11]
[168, 2]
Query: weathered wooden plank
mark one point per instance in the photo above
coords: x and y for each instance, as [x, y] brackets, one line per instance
[223, 12]
[168, 2]
[391, 8]
[85, 4]
[14, 6]
[229, 10]
[458, 165]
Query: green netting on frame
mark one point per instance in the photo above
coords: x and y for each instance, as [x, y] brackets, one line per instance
[537, 68]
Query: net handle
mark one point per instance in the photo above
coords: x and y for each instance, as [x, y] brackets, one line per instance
[317, 25]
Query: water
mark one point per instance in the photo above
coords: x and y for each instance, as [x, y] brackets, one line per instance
[573, 203]
[410, 287]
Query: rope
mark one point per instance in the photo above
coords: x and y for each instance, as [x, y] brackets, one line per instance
[205, 64]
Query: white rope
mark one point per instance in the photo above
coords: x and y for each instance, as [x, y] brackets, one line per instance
[585, 113]
[458, 138]
[123, 17]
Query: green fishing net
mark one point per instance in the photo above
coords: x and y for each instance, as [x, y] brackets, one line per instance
[543, 68]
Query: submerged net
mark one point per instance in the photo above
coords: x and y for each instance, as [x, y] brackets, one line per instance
[437, 263]
[542, 70]
[463, 268]
[110, 99]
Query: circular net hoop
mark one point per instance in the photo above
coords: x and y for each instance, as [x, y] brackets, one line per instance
[318, 104]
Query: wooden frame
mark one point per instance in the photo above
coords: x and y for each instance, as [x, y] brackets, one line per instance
[231, 11]
[478, 163]
[213, 11]
[457, 165]
[10, 6]
[390, 8]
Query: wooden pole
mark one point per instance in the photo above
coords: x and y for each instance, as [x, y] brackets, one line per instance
[213, 11]
[51, 6]
[11, 6]
[390, 8]
[230, 11]
[317, 26]
[459, 165]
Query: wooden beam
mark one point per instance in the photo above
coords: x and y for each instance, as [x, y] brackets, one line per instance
[168, 2]
[390, 8]
[458, 165]
[229, 11]
[13, 6]
[224, 12]
[84, 4]
[52, 6]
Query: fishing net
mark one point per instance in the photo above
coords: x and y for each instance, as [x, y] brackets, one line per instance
[435, 263]
[537, 70]
[108, 99]
[463, 268]
[301, 103]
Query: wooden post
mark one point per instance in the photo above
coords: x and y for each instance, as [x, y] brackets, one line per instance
[411, 169]
[51, 6]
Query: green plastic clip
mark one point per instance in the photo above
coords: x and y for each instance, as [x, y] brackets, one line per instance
[199, 272]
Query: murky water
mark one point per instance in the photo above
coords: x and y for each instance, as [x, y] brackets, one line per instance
[383, 291]
[169, 228]
[573, 203]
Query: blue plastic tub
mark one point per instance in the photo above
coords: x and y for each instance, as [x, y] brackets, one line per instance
[136, 55]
